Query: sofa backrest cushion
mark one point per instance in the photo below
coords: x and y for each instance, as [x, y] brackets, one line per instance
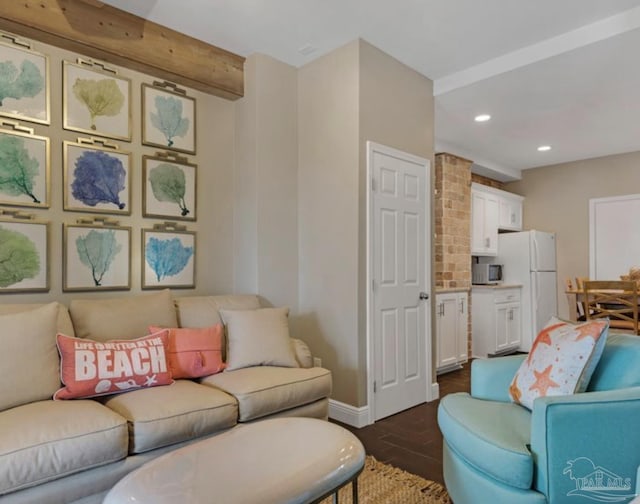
[63, 323]
[29, 358]
[619, 366]
[204, 311]
[127, 317]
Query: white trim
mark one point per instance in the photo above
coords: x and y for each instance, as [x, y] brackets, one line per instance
[435, 391]
[347, 414]
[390, 151]
[580, 37]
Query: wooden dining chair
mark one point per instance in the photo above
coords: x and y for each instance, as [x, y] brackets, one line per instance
[581, 306]
[615, 299]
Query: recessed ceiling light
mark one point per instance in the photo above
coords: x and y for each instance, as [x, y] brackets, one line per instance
[544, 148]
[482, 118]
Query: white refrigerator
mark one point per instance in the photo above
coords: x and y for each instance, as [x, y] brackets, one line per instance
[529, 259]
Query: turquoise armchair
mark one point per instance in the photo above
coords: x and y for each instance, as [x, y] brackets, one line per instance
[577, 449]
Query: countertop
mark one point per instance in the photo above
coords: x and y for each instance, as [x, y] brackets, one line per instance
[497, 286]
[446, 290]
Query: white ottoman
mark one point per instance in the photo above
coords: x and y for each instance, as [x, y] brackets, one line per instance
[279, 461]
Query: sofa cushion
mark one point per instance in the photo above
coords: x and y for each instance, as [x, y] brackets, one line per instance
[126, 317]
[490, 436]
[561, 361]
[265, 390]
[89, 368]
[163, 416]
[29, 358]
[618, 366]
[47, 440]
[258, 338]
[194, 352]
[203, 311]
[63, 324]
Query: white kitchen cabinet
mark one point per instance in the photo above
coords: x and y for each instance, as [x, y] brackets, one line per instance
[510, 213]
[492, 209]
[496, 320]
[484, 223]
[452, 318]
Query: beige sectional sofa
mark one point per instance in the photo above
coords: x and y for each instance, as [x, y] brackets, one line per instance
[76, 450]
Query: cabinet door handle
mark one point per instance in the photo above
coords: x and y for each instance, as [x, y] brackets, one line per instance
[462, 306]
[487, 242]
[513, 218]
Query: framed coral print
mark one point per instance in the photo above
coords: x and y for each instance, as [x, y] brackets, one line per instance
[24, 81]
[169, 187]
[96, 177]
[168, 257]
[24, 256]
[24, 167]
[96, 257]
[168, 117]
[96, 100]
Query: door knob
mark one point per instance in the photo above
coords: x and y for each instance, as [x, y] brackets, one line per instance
[424, 295]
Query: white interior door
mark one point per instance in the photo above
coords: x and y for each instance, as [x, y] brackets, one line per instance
[399, 319]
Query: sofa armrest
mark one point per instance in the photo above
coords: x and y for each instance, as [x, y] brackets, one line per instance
[490, 378]
[302, 353]
[574, 436]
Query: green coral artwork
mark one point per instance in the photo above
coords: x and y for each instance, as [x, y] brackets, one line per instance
[101, 97]
[169, 119]
[97, 251]
[18, 169]
[19, 257]
[17, 83]
[168, 184]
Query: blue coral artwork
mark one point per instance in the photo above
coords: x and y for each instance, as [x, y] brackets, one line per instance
[169, 259]
[169, 119]
[24, 84]
[96, 180]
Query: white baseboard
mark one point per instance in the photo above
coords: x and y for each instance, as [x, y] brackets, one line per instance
[435, 391]
[347, 414]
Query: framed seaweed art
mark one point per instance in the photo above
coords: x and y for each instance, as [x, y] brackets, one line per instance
[169, 187]
[97, 177]
[96, 100]
[168, 257]
[24, 254]
[168, 117]
[96, 256]
[24, 166]
[24, 81]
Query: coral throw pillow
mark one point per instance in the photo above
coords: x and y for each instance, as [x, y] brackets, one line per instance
[91, 368]
[561, 362]
[193, 353]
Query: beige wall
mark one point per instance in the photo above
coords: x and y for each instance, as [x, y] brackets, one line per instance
[215, 154]
[557, 199]
[354, 94]
[266, 182]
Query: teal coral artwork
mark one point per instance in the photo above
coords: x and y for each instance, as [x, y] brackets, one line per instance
[169, 119]
[24, 169]
[24, 85]
[170, 188]
[169, 259]
[23, 256]
[96, 101]
[96, 258]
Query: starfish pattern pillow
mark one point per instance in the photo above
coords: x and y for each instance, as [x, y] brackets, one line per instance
[561, 361]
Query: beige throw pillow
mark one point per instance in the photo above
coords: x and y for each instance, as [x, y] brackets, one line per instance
[258, 338]
[29, 358]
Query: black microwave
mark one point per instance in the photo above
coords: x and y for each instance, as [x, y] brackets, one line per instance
[486, 273]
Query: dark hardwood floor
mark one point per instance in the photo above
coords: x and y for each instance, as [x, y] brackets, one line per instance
[411, 439]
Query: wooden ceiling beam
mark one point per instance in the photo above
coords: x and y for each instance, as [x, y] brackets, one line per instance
[101, 31]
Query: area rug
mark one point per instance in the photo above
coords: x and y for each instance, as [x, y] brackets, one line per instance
[383, 484]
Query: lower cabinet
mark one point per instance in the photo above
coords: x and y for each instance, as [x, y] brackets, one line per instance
[452, 318]
[496, 320]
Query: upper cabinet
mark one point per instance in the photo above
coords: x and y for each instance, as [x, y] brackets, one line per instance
[491, 210]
